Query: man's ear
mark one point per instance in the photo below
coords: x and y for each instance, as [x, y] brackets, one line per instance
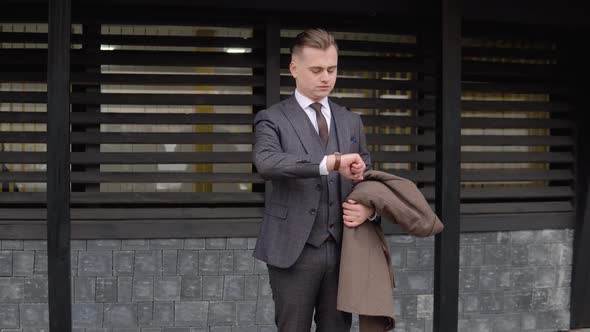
[293, 69]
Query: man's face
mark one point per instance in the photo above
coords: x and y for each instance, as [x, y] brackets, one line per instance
[315, 71]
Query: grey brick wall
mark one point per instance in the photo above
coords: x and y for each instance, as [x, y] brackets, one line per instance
[512, 281]
[515, 281]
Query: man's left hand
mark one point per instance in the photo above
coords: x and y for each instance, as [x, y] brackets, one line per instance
[354, 214]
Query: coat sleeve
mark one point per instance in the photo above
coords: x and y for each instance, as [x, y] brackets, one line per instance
[270, 159]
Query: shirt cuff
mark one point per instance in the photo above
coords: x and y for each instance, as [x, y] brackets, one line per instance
[323, 166]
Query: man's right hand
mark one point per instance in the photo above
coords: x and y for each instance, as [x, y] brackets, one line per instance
[352, 166]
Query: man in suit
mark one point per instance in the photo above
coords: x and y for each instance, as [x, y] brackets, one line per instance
[311, 149]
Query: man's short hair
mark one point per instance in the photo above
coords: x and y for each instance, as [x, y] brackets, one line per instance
[314, 38]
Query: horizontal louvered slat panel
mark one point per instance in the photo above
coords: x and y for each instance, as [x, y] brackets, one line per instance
[516, 175]
[181, 41]
[501, 123]
[514, 106]
[402, 157]
[141, 79]
[139, 198]
[495, 78]
[495, 208]
[23, 97]
[426, 105]
[393, 139]
[490, 175]
[426, 121]
[507, 140]
[517, 221]
[137, 138]
[530, 81]
[414, 176]
[138, 213]
[147, 40]
[137, 58]
[131, 118]
[518, 53]
[136, 177]
[551, 80]
[499, 87]
[505, 70]
[88, 158]
[31, 37]
[137, 98]
[477, 157]
[515, 157]
[507, 193]
[510, 32]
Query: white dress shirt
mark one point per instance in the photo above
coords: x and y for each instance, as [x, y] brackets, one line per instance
[305, 103]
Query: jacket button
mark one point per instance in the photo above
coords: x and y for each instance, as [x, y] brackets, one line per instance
[331, 182]
[318, 186]
[312, 211]
[331, 203]
[331, 225]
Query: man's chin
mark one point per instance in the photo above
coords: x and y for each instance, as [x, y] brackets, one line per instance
[322, 94]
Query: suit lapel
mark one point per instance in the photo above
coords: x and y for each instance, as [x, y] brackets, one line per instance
[301, 124]
[342, 127]
[343, 135]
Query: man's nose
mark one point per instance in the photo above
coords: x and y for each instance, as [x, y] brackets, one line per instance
[324, 76]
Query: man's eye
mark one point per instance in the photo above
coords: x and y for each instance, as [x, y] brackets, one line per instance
[316, 71]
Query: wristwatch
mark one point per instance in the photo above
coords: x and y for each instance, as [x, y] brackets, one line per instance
[337, 161]
[375, 218]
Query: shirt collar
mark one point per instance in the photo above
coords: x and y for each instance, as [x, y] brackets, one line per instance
[304, 102]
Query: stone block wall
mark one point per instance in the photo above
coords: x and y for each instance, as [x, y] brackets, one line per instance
[509, 281]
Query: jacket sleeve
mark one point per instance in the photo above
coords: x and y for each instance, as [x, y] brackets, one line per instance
[270, 159]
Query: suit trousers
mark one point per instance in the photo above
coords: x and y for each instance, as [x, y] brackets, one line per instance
[309, 284]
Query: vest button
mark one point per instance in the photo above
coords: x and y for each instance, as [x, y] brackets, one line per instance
[318, 186]
[331, 182]
[331, 203]
[312, 211]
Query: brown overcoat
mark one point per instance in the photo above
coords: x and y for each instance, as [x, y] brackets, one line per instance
[366, 276]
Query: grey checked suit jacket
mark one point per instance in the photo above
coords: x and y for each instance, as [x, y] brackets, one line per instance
[285, 153]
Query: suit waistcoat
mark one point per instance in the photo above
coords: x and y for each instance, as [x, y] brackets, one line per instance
[328, 221]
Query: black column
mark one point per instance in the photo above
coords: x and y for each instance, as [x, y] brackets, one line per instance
[58, 166]
[448, 168]
[576, 67]
[270, 32]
